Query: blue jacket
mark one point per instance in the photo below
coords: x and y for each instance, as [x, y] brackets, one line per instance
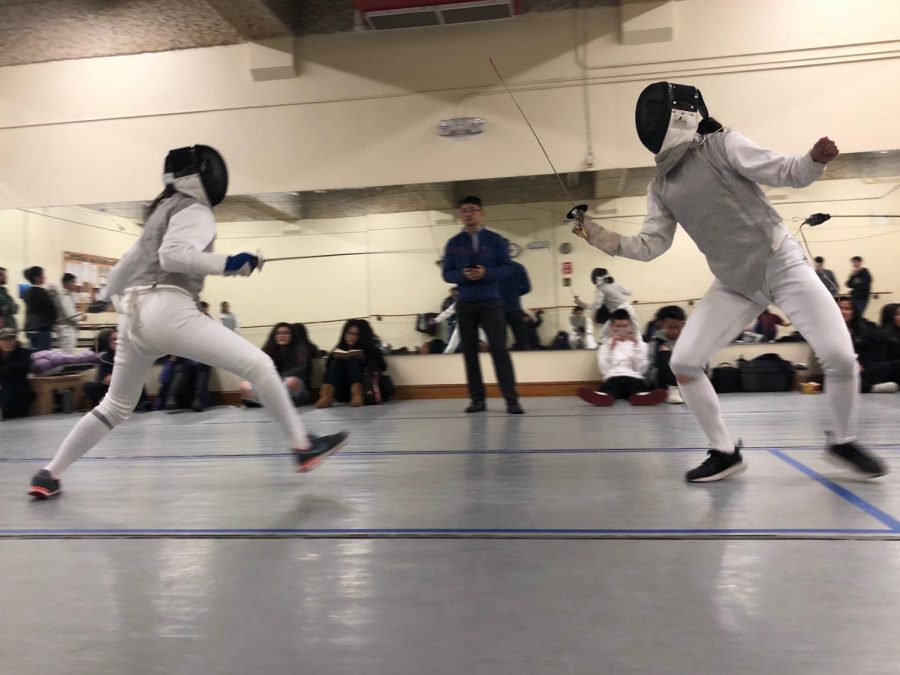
[515, 286]
[492, 254]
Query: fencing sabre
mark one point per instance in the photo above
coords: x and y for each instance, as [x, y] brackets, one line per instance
[263, 259]
[577, 210]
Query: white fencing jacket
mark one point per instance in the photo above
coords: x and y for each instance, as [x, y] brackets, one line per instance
[711, 187]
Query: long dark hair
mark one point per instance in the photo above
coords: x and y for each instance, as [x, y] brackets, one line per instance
[285, 357]
[366, 340]
[301, 335]
[887, 320]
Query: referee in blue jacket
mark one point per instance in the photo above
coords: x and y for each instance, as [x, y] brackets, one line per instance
[476, 260]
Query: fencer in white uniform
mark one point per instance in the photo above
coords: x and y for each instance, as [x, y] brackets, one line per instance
[155, 288]
[708, 180]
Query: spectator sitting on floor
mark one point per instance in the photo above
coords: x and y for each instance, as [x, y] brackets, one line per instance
[654, 325]
[292, 359]
[767, 325]
[878, 356]
[672, 319]
[623, 361]
[890, 321]
[107, 341]
[16, 396]
[354, 354]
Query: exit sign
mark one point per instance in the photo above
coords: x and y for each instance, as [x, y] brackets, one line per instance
[567, 268]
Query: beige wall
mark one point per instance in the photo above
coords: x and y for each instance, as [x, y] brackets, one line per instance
[364, 107]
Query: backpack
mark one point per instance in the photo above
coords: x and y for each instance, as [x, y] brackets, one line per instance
[726, 379]
[767, 372]
[561, 341]
[377, 387]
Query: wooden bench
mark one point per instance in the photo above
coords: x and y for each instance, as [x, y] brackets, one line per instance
[45, 387]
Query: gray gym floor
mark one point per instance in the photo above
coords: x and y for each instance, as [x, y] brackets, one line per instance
[562, 541]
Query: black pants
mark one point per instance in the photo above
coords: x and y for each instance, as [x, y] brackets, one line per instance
[489, 315]
[880, 371]
[623, 387]
[516, 322]
[40, 340]
[341, 374]
[664, 376]
[859, 302]
[15, 399]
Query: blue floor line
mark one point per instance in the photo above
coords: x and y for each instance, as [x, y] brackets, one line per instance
[447, 531]
[841, 491]
[392, 453]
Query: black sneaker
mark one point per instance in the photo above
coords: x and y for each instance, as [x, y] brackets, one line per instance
[322, 447]
[44, 485]
[476, 406]
[718, 465]
[513, 408]
[851, 454]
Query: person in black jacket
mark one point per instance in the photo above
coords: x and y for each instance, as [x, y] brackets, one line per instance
[355, 353]
[860, 285]
[512, 288]
[15, 364]
[40, 310]
[292, 359]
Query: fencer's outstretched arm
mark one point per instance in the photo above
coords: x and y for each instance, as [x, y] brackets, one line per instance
[769, 167]
[654, 239]
[190, 231]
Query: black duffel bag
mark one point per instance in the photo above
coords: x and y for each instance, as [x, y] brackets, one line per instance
[768, 372]
[726, 379]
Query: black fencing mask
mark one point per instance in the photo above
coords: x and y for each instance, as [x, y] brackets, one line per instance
[669, 114]
[204, 161]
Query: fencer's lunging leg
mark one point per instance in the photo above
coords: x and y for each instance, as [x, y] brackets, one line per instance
[719, 317]
[196, 337]
[131, 366]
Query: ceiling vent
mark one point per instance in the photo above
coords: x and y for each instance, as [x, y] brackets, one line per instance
[391, 14]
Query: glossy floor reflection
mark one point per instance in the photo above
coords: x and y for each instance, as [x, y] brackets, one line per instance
[563, 541]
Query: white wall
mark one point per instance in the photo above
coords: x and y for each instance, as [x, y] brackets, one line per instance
[364, 107]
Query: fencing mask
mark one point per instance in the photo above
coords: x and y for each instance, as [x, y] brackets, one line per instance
[597, 273]
[669, 114]
[202, 160]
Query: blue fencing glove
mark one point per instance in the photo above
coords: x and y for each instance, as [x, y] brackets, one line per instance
[241, 264]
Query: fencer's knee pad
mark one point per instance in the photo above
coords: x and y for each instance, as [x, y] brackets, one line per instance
[112, 412]
[684, 366]
[259, 367]
[839, 365]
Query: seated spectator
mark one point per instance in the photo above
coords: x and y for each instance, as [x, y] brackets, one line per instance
[671, 319]
[767, 325]
[532, 323]
[15, 364]
[107, 341]
[890, 321]
[623, 361]
[188, 385]
[878, 355]
[354, 354]
[292, 356]
[654, 325]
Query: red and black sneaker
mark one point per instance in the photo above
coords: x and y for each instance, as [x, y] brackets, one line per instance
[322, 447]
[600, 398]
[44, 485]
[654, 397]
